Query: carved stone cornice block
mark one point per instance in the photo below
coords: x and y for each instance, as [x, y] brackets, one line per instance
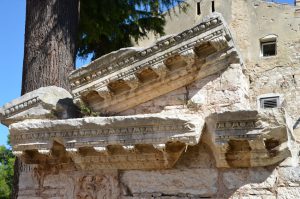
[47, 102]
[249, 138]
[135, 75]
[121, 142]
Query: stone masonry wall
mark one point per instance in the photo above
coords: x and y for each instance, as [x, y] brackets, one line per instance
[249, 21]
[216, 93]
[194, 176]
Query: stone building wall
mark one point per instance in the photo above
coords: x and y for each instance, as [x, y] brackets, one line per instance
[224, 91]
[194, 176]
[249, 21]
[275, 74]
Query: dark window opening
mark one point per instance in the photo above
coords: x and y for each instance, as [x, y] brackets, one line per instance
[269, 102]
[213, 6]
[198, 8]
[268, 48]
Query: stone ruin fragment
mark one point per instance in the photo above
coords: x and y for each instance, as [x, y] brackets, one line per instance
[149, 107]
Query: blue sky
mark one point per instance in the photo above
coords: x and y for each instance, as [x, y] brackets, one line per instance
[12, 27]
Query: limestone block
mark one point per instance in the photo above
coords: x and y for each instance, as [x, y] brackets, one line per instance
[288, 192]
[28, 181]
[120, 142]
[47, 102]
[289, 176]
[250, 138]
[70, 184]
[45, 186]
[249, 179]
[143, 74]
[194, 182]
[204, 96]
[198, 156]
[97, 186]
[260, 194]
[104, 60]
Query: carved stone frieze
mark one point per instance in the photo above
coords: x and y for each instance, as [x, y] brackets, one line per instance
[237, 139]
[118, 60]
[121, 142]
[226, 130]
[167, 65]
[127, 78]
[100, 186]
[249, 138]
[26, 104]
[47, 102]
[140, 156]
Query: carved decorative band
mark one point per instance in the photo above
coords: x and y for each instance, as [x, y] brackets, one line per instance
[124, 158]
[103, 133]
[155, 60]
[128, 140]
[98, 71]
[246, 124]
[243, 129]
[21, 107]
[225, 135]
[26, 168]
[39, 146]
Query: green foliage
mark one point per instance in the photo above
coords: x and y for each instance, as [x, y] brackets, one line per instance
[86, 111]
[6, 172]
[109, 25]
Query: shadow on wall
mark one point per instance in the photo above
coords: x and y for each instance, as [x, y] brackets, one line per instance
[297, 124]
[179, 97]
[195, 175]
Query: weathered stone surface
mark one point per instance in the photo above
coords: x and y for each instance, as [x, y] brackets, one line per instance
[48, 102]
[197, 182]
[120, 142]
[289, 176]
[288, 193]
[176, 76]
[247, 179]
[250, 138]
[69, 185]
[198, 156]
[169, 64]
[260, 194]
[226, 91]
[97, 186]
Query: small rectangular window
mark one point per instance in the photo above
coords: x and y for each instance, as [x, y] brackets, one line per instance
[213, 6]
[268, 48]
[269, 102]
[198, 8]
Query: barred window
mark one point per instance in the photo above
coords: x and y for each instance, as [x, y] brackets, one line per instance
[269, 102]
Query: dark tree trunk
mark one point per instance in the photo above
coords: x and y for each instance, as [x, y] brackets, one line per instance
[50, 49]
[50, 43]
[15, 186]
